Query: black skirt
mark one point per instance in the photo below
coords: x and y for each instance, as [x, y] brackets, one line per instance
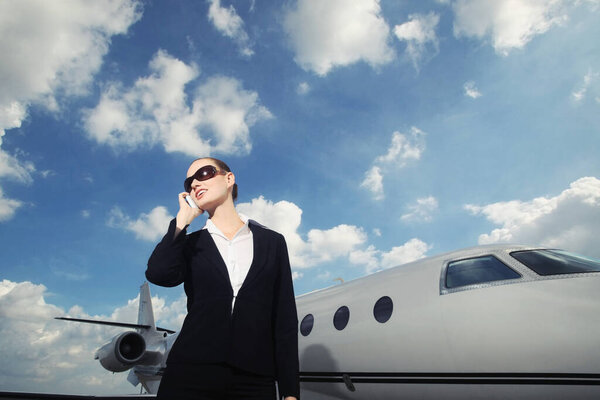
[214, 382]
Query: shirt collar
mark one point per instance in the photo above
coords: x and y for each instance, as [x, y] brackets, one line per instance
[213, 230]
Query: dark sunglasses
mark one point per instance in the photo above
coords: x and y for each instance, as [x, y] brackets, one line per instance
[203, 174]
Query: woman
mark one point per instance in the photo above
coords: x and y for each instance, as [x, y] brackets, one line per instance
[240, 333]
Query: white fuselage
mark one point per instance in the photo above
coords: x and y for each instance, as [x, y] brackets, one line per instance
[532, 337]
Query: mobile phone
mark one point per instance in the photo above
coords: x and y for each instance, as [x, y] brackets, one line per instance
[190, 201]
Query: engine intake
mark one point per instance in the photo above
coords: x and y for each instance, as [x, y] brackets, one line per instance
[123, 352]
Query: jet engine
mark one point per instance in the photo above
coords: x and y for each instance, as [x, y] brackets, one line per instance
[122, 352]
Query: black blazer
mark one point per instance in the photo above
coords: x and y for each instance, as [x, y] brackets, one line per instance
[261, 335]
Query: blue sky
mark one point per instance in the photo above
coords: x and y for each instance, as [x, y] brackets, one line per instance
[370, 133]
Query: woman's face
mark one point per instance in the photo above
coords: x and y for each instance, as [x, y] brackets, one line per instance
[210, 193]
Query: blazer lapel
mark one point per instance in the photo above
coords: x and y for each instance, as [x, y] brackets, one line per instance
[258, 260]
[208, 248]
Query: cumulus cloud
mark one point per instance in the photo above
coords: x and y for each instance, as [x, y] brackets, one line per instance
[51, 50]
[47, 355]
[419, 35]
[150, 227]
[373, 182]
[509, 24]
[579, 94]
[368, 258]
[326, 245]
[54, 49]
[569, 220]
[8, 207]
[412, 250]
[12, 167]
[229, 23]
[422, 210]
[405, 147]
[329, 34]
[471, 90]
[156, 111]
[374, 260]
[320, 246]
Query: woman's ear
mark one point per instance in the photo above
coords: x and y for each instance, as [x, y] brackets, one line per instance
[230, 179]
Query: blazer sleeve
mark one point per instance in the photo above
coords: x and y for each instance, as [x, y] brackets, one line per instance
[167, 265]
[286, 329]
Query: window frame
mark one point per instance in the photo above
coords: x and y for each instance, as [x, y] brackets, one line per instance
[446, 290]
[551, 276]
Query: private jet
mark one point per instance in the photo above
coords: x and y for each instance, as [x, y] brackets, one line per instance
[494, 322]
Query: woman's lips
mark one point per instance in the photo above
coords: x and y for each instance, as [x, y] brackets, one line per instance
[200, 193]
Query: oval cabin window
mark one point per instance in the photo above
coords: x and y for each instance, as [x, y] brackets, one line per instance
[383, 309]
[341, 317]
[307, 324]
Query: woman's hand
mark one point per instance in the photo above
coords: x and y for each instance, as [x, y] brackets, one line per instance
[186, 214]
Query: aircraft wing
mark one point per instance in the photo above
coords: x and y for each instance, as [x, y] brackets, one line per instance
[111, 323]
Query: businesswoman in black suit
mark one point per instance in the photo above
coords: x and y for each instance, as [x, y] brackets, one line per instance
[240, 334]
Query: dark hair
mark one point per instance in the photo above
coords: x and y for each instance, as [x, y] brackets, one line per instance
[224, 167]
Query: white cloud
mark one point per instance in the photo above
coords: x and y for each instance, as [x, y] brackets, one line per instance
[51, 50]
[510, 24]
[374, 260]
[570, 220]
[405, 147]
[328, 34]
[8, 207]
[47, 355]
[297, 275]
[284, 217]
[422, 210]
[321, 245]
[579, 94]
[155, 110]
[471, 90]
[12, 167]
[412, 250]
[326, 245]
[229, 23]
[369, 258]
[150, 227]
[54, 48]
[418, 32]
[12, 115]
[373, 182]
[303, 88]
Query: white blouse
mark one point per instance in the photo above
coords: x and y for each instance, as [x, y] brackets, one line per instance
[237, 253]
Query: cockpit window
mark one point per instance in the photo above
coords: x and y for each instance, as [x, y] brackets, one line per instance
[477, 270]
[556, 262]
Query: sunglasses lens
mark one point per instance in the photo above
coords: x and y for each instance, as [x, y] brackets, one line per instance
[204, 173]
